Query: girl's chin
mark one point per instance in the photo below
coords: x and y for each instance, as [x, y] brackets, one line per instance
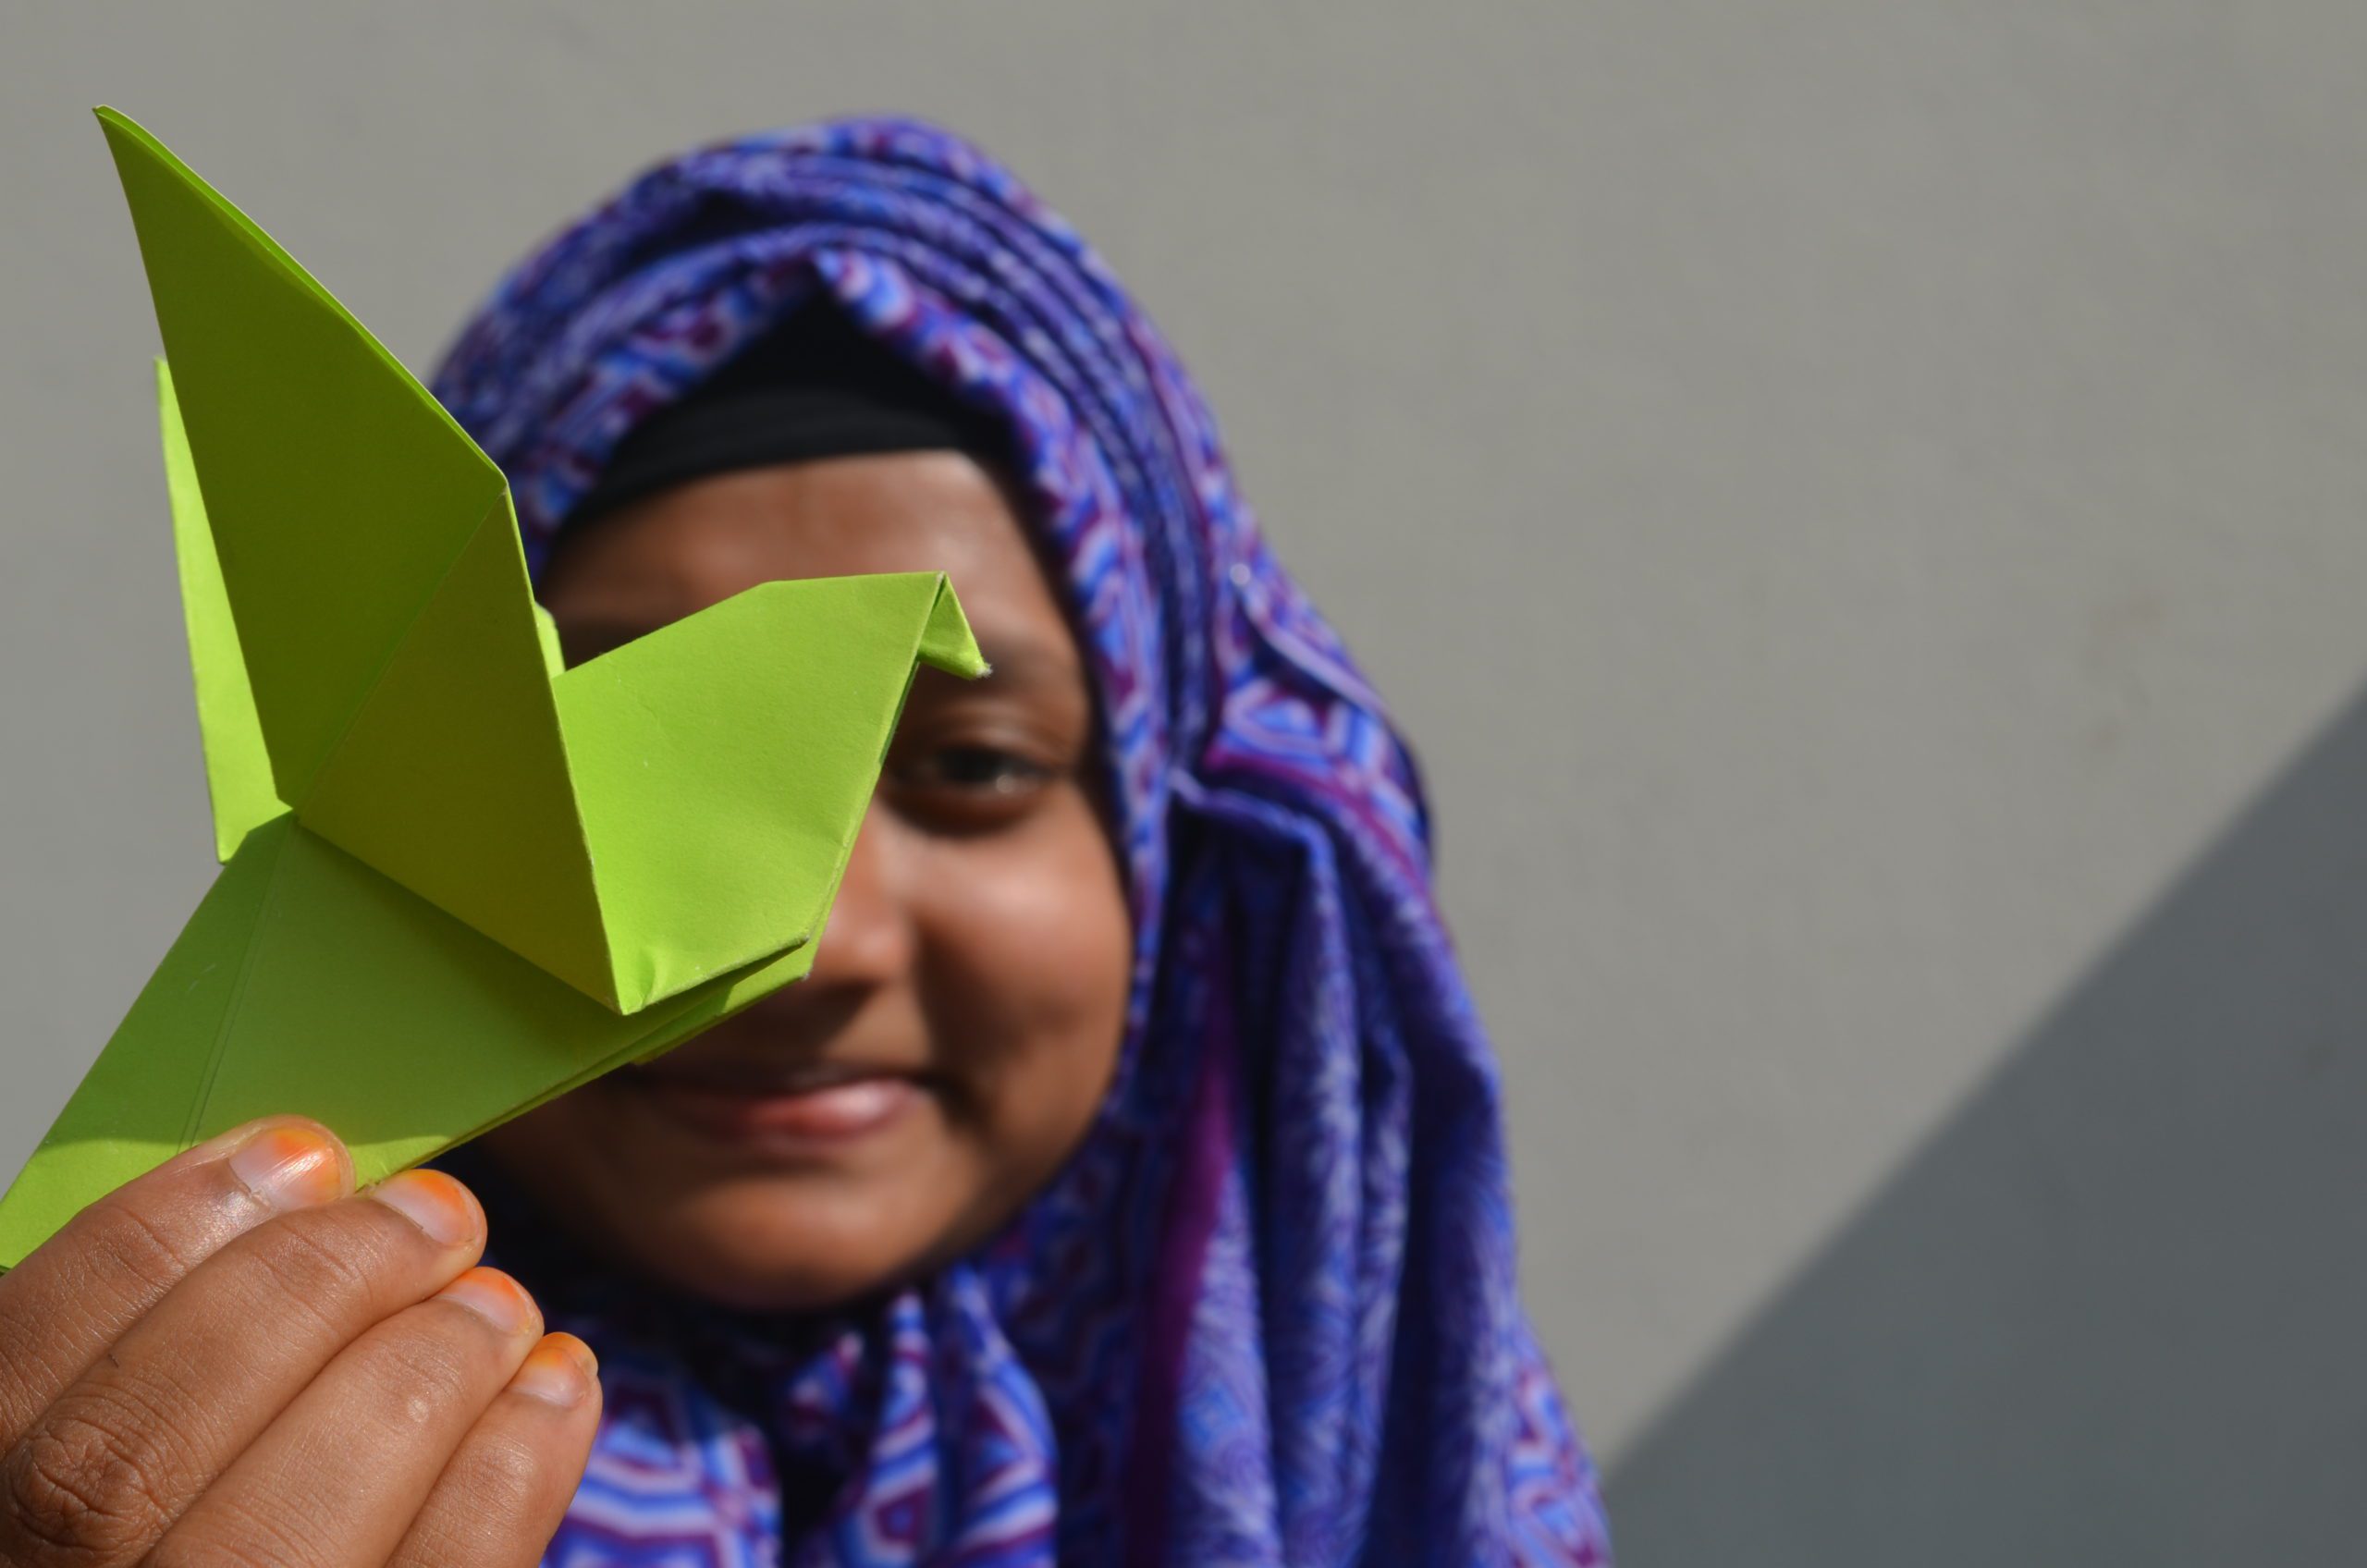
[770, 1223]
[740, 1251]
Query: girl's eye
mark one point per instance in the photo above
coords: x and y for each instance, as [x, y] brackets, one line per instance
[963, 789]
[981, 767]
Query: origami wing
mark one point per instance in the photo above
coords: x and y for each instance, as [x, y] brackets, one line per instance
[459, 879]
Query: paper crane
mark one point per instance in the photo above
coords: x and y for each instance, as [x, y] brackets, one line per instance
[459, 879]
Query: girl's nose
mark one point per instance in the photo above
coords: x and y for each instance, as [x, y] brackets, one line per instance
[869, 938]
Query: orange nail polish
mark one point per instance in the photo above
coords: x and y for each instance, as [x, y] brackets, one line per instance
[435, 1203]
[495, 1298]
[289, 1167]
[561, 1370]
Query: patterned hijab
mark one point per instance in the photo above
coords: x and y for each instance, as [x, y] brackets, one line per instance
[1267, 1314]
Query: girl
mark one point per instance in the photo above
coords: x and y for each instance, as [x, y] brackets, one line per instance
[1125, 1184]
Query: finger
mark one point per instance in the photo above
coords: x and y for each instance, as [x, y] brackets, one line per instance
[75, 1294]
[501, 1498]
[336, 1481]
[113, 1459]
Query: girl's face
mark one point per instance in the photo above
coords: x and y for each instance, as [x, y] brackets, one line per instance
[963, 1016]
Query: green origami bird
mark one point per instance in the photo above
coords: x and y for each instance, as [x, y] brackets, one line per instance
[459, 879]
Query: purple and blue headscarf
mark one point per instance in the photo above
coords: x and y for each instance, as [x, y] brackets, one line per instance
[1266, 1315]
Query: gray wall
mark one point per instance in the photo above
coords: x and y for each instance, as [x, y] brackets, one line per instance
[1862, 506]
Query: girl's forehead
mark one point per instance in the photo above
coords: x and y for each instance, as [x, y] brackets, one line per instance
[698, 544]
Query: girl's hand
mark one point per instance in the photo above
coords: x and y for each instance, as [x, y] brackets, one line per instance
[235, 1360]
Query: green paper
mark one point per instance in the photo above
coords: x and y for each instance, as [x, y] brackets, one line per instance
[238, 769]
[459, 879]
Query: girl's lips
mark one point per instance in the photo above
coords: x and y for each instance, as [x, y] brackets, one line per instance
[838, 1110]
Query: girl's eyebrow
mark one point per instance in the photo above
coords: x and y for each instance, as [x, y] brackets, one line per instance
[1026, 660]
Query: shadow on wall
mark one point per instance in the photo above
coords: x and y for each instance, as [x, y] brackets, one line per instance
[2114, 1312]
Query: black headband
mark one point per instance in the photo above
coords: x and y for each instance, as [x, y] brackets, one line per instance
[813, 387]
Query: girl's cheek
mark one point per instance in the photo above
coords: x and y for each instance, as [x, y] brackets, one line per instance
[1053, 874]
[1029, 929]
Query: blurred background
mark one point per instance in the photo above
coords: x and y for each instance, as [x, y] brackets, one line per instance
[1862, 507]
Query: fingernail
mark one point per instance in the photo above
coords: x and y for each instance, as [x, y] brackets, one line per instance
[289, 1167]
[495, 1298]
[561, 1370]
[435, 1203]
